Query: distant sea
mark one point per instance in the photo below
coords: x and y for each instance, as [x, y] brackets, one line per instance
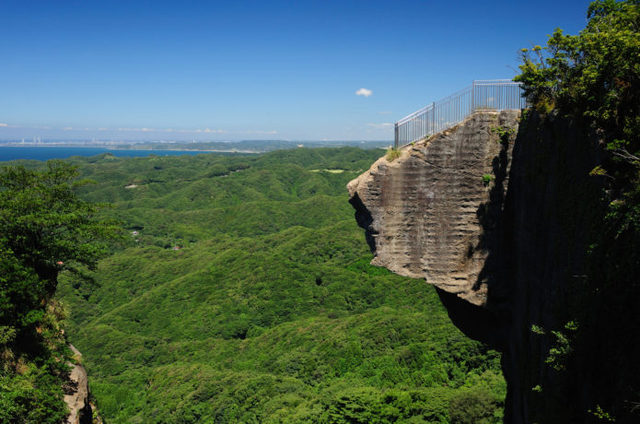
[46, 153]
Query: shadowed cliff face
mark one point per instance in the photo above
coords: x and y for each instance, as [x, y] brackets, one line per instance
[432, 213]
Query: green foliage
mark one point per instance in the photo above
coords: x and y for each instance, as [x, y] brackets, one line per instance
[474, 407]
[487, 178]
[32, 396]
[504, 133]
[594, 75]
[270, 311]
[44, 228]
[562, 345]
[602, 415]
[43, 222]
[598, 171]
[536, 329]
[561, 349]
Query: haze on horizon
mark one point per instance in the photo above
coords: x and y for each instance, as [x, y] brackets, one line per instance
[336, 70]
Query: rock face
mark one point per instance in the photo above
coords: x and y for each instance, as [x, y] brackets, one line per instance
[510, 255]
[431, 213]
[77, 394]
[552, 209]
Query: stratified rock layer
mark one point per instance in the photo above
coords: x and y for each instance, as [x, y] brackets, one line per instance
[428, 213]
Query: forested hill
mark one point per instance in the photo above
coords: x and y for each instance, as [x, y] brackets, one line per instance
[243, 293]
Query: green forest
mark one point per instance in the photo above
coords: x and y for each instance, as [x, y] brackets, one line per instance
[240, 290]
[230, 288]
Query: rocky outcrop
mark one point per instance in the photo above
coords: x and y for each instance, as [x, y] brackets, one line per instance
[431, 212]
[77, 393]
[511, 260]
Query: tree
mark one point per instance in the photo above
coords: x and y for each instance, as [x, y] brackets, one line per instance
[44, 228]
[45, 224]
[593, 76]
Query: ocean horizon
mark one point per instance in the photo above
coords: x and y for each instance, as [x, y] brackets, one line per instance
[44, 153]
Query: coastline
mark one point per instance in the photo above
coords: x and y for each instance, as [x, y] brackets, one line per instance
[172, 149]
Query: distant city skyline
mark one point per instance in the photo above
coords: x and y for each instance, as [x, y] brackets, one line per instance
[331, 70]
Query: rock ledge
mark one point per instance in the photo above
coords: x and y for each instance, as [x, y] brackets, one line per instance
[431, 212]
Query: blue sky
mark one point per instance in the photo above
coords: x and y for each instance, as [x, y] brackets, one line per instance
[238, 69]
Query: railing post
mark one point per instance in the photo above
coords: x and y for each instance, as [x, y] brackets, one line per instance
[433, 118]
[473, 93]
[395, 138]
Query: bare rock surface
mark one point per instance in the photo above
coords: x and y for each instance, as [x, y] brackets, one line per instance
[429, 213]
[77, 394]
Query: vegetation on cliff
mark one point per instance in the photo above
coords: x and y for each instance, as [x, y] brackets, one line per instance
[592, 80]
[595, 77]
[245, 294]
[44, 228]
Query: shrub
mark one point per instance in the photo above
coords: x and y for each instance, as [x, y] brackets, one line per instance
[473, 407]
[393, 154]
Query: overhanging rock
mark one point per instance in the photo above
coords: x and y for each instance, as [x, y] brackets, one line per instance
[433, 212]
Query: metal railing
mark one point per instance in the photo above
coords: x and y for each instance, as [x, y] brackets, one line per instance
[445, 113]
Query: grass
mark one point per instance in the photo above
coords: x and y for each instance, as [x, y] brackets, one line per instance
[393, 154]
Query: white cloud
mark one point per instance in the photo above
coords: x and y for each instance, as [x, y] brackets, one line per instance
[209, 131]
[170, 130]
[138, 129]
[67, 128]
[272, 132]
[196, 131]
[3, 125]
[364, 92]
[381, 126]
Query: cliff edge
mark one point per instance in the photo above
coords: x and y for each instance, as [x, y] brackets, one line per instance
[431, 213]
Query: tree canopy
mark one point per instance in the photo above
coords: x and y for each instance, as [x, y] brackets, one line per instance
[594, 75]
[44, 228]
